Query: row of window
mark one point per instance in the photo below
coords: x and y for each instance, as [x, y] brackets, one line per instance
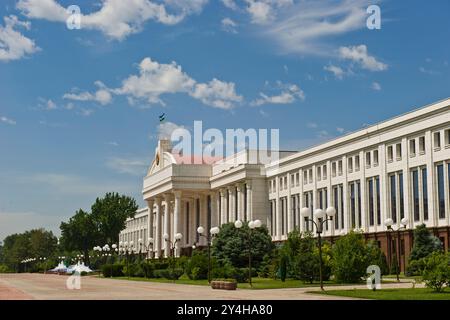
[396, 200]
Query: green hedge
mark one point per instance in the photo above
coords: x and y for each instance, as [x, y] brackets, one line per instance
[117, 270]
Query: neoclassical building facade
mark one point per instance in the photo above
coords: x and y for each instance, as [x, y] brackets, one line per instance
[397, 169]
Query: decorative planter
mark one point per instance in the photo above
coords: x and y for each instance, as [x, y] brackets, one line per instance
[224, 285]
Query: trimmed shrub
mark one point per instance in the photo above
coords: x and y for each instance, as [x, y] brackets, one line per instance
[172, 274]
[4, 269]
[116, 269]
[437, 271]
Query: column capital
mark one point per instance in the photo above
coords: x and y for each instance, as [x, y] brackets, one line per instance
[223, 192]
[240, 186]
[167, 197]
[158, 201]
[177, 194]
[248, 185]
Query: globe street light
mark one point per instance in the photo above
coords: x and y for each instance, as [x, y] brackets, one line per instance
[389, 223]
[321, 217]
[209, 237]
[252, 225]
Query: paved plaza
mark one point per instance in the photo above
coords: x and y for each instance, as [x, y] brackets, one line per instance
[53, 287]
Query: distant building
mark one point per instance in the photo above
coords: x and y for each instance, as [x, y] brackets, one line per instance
[396, 169]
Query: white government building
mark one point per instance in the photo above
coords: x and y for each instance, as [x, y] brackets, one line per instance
[395, 169]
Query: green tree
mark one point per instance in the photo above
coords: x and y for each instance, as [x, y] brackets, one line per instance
[79, 234]
[110, 214]
[437, 270]
[424, 244]
[350, 258]
[377, 257]
[231, 245]
[36, 243]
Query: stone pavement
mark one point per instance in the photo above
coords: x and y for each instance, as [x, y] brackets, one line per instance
[53, 287]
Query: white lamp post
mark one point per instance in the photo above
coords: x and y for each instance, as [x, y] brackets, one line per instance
[252, 225]
[320, 216]
[209, 238]
[389, 225]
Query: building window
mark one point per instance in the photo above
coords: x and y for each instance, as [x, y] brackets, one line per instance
[437, 140]
[447, 137]
[402, 200]
[390, 153]
[305, 177]
[422, 145]
[375, 157]
[340, 167]
[319, 173]
[377, 188]
[333, 169]
[323, 201]
[393, 198]
[416, 202]
[294, 209]
[308, 203]
[371, 204]
[357, 163]
[425, 193]
[355, 204]
[336, 200]
[350, 164]
[188, 224]
[412, 147]
[324, 172]
[310, 175]
[297, 178]
[398, 151]
[368, 159]
[441, 191]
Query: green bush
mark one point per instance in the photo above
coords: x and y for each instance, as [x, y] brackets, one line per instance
[117, 270]
[424, 244]
[350, 258]
[437, 270]
[148, 269]
[197, 266]
[283, 268]
[4, 269]
[172, 274]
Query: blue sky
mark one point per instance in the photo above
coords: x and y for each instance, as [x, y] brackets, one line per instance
[79, 108]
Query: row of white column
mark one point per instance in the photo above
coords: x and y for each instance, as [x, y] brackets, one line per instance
[169, 215]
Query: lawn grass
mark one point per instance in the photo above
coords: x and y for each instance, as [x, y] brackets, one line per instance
[391, 294]
[258, 283]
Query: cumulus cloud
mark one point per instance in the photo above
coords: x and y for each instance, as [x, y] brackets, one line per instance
[157, 79]
[13, 44]
[231, 4]
[229, 25]
[166, 129]
[289, 94]
[116, 18]
[359, 54]
[102, 95]
[7, 120]
[338, 72]
[376, 86]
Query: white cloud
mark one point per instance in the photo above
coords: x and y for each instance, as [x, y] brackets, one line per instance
[217, 94]
[133, 166]
[231, 4]
[289, 94]
[113, 143]
[156, 79]
[165, 130]
[340, 130]
[376, 86]
[229, 25]
[337, 71]
[428, 71]
[7, 120]
[102, 95]
[303, 27]
[85, 112]
[116, 18]
[359, 54]
[260, 11]
[312, 125]
[13, 44]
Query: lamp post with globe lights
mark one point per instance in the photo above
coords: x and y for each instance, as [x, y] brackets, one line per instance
[209, 237]
[252, 225]
[173, 244]
[389, 225]
[321, 217]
